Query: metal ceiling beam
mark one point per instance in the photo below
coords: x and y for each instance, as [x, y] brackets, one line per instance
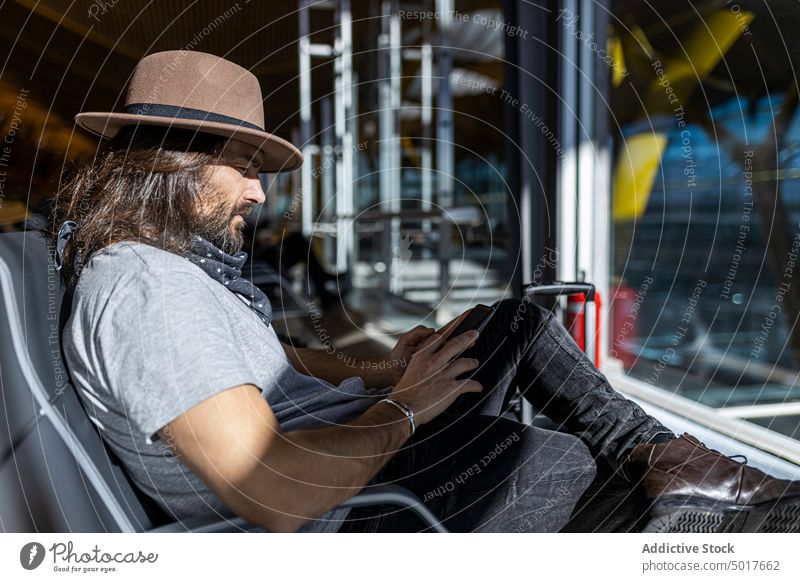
[62, 21]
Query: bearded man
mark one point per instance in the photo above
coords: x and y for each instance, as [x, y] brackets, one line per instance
[173, 352]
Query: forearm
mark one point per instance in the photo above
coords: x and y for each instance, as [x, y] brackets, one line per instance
[337, 367]
[306, 473]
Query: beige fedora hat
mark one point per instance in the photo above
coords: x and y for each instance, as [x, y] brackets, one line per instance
[194, 90]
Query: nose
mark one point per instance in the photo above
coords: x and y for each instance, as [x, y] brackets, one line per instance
[255, 193]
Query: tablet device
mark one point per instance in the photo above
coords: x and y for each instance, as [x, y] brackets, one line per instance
[475, 318]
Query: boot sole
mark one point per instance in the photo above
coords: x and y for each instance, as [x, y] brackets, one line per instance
[690, 515]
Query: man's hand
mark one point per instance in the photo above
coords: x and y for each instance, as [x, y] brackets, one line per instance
[408, 344]
[377, 372]
[430, 383]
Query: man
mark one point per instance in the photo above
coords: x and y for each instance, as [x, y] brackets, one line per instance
[175, 357]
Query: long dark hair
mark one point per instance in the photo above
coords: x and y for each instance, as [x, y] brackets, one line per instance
[143, 185]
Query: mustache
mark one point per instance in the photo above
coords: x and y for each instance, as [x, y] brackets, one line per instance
[245, 210]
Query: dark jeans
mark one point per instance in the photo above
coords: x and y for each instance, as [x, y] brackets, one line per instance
[479, 471]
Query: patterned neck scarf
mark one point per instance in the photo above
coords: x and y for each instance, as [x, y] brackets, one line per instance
[227, 270]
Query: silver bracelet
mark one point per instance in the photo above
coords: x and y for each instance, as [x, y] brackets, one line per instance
[405, 410]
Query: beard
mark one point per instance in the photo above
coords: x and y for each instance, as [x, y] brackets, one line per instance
[219, 226]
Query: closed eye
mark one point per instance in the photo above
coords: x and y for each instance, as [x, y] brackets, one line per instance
[244, 170]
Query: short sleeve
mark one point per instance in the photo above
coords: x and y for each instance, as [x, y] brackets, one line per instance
[167, 345]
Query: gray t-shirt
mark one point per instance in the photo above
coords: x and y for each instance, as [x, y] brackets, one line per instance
[150, 336]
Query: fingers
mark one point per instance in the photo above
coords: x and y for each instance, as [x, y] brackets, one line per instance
[452, 324]
[470, 386]
[421, 330]
[461, 365]
[430, 345]
[416, 335]
[455, 346]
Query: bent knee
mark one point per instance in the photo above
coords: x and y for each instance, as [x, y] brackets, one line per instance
[581, 464]
[516, 309]
[569, 459]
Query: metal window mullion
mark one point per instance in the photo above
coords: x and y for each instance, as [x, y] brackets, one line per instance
[304, 48]
[395, 75]
[586, 147]
[386, 131]
[567, 170]
[444, 154]
[346, 188]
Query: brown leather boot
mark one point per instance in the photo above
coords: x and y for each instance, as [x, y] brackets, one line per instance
[695, 489]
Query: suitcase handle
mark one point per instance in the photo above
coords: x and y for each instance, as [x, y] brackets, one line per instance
[558, 288]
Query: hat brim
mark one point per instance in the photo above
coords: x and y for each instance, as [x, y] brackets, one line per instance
[279, 154]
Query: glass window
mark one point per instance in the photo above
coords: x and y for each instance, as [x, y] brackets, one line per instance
[706, 203]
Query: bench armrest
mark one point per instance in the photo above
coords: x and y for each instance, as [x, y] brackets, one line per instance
[375, 495]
